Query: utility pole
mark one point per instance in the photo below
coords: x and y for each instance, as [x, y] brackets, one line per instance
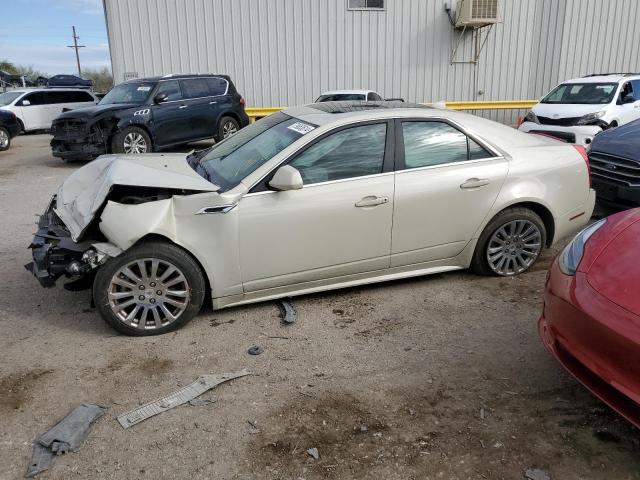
[76, 47]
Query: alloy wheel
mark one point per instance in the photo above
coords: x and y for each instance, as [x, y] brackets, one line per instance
[514, 247]
[4, 139]
[228, 129]
[148, 294]
[134, 143]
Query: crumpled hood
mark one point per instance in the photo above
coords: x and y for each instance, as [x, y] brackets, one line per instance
[565, 110]
[94, 111]
[84, 191]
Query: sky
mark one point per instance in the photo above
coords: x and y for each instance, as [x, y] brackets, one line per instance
[36, 33]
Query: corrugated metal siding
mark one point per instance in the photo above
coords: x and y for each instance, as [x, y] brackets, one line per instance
[286, 52]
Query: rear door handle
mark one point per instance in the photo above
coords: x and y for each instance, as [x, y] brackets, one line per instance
[183, 106]
[372, 201]
[475, 183]
[211, 103]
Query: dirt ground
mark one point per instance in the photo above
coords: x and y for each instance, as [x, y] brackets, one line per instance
[440, 377]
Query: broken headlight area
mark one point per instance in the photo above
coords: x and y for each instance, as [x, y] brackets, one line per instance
[55, 254]
[76, 139]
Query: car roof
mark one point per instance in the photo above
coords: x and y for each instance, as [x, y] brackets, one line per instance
[178, 76]
[53, 89]
[604, 78]
[346, 92]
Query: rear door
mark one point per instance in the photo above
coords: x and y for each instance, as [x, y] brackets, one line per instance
[446, 183]
[197, 98]
[221, 100]
[171, 117]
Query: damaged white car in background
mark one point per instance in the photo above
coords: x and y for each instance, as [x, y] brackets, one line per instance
[312, 198]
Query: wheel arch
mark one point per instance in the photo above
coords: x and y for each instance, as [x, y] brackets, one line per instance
[122, 126]
[539, 209]
[162, 238]
[228, 113]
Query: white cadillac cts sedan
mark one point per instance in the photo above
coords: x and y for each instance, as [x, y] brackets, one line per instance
[313, 198]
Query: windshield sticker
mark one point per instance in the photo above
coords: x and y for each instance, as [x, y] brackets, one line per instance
[301, 128]
[144, 88]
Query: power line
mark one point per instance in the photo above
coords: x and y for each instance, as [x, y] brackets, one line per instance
[76, 47]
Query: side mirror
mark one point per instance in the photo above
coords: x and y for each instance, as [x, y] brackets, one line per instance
[159, 98]
[25, 103]
[286, 178]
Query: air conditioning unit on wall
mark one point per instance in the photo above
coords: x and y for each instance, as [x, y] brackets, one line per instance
[476, 13]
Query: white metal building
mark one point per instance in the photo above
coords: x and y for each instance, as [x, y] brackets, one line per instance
[286, 52]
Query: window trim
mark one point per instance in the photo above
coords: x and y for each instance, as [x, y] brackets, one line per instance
[399, 153]
[367, 9]
[388, 162]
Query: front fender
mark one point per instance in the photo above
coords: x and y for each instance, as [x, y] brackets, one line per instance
[212, 239]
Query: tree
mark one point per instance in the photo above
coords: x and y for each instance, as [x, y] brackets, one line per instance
[102, 79]
[7, 66]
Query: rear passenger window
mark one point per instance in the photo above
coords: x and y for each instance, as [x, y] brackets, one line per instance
[349, 153]
[57, 97]
[78, 97]
[217, 86]
[171, 88]
[436, 143]
[195, 88]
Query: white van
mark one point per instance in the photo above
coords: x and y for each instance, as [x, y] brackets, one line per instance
[37, 107]
[579, 109]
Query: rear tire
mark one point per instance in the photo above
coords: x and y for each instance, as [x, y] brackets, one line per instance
[132, 140]
[5, 139]
[228, 126]
[510, 244]
[151, 289]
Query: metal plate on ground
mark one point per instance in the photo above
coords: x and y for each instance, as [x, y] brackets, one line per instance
[179, 397]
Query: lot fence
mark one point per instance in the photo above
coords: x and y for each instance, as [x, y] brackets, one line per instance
[504, 111]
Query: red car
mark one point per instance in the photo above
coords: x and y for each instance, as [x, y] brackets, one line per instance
[591, 315]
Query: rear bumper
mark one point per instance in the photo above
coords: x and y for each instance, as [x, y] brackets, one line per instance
[582, 135]
[595, 340]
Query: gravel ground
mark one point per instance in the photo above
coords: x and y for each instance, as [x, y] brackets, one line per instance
[440, 377]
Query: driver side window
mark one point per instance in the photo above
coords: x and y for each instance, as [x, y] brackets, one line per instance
[348, 153]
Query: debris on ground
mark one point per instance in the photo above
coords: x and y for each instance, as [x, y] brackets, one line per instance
[254, 427]
[289, 313]
[255, 350]
[536, 474]
[200, 402]
[314, 453]
[179, 397]
[65, 436]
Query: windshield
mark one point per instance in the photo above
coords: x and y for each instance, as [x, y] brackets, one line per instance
[231, 160]
[582, 93]
[8, 97]
[340, 97]
[136, 92]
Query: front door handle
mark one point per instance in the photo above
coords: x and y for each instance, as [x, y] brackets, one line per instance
[372, 201]
[183, 106]
[211, 103]
[475, 183]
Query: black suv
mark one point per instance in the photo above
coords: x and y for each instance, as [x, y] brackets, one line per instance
[151, 114]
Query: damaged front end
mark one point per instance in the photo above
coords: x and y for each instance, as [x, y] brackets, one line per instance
[55, 253]
[77, 139]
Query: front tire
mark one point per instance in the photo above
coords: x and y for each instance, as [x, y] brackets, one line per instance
[510, 244]
[5, 139]
[150, 289]
[132, 140]
[228, 126]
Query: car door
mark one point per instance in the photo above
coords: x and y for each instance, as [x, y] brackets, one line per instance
[197, 98]
[32, 110]
[338, 224]
[219, 102]
[171, 116]
[629, 102]
[446, 184]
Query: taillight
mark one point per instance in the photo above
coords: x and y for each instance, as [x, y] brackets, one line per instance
[583, 151]
[242, 102]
